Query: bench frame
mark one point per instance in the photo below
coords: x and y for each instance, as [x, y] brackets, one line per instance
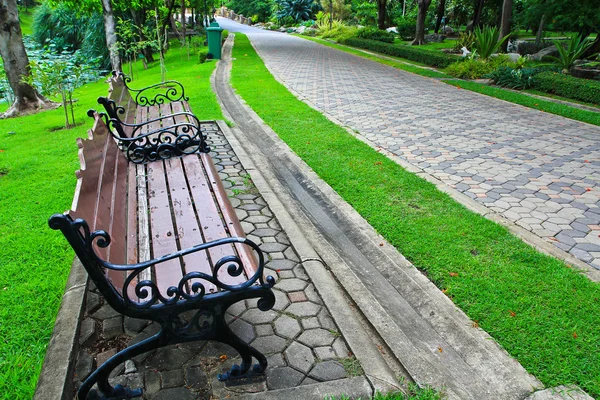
[165, 136]
[188, 311]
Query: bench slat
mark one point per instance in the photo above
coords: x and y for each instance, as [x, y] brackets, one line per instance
[232, 222]
[162, 230]
[211, 223]
[189, 232]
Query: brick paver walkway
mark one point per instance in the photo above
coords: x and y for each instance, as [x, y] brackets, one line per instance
[538, 170]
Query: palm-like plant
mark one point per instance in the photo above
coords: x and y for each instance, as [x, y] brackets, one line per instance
[298, 10]
[567, 56]
[486, 41]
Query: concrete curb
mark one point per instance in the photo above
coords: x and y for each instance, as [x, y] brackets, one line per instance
[528, 237]
[358, 336]
[352, 388]
[55, 381]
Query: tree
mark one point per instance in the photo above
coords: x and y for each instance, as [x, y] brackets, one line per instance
[441, 10]
[111, 35]
[506, 22]
[422, 13]
[16, 62]
[381, 13]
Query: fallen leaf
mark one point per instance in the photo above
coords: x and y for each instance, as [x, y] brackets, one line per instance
[440, 349]
[381, 244]
[512, 313]
[475, 324]
[575, 335]
[453, 273]
[444, 291]
[223, 357]
[588, 189]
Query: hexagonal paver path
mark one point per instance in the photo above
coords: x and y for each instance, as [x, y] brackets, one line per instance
[299, 337]
[539, 170]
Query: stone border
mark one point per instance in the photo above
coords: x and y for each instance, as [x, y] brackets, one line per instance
[55, 381]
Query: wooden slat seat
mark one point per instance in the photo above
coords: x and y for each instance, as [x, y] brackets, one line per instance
[172, 243]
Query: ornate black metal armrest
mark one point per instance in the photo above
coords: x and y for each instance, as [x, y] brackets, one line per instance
[148, 96]
[78, 234]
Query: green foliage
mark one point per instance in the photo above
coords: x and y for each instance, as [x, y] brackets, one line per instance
[568, 86]
[567, 56]
[59, 26]
[63, 29]
[259, 9]
[513, 78]
[406, 28]
[339, 33]
[376, 34]
[474, 68]
[486, 42]
[431, 58]
[202, 55]
[465, 39]
[365, 13]
[297, 10]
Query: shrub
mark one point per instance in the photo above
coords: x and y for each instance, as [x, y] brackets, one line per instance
[432, 58]
[341, 33]
[471, 68]
[514, 78]
[376, 34]
[575, 48]
[202, 55]
[487, 42]
[568, 86]
[406, 29]
[465, 39]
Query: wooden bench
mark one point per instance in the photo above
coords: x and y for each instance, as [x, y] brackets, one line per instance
[162, 242]
[152, 123]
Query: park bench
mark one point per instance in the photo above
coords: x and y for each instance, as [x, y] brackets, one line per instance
[162, 242]
[151, 123]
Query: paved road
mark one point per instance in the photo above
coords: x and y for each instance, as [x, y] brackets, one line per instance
[538, 170]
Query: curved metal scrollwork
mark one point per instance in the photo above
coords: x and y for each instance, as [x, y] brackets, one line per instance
[160, 144]
[172, 91]
[147, 292]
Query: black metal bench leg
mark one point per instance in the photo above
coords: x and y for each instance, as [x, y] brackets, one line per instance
[245, 369]
[102, 373]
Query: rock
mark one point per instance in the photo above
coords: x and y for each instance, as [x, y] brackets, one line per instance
[586, 73]
[435, 38]
[282, 29]
[447, 30]
[513, 56]
[392, 29]
[548, 51]
[301, 30]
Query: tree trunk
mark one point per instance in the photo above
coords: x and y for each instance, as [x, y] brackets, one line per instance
[16, 62]
[420, 31]
[440, 14]
[540, 31]
[183, 21]
[381, 11]
[505, 23]
[477, 11]
[111, 35]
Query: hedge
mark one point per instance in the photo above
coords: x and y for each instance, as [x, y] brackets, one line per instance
[432, 58]
[587, 90]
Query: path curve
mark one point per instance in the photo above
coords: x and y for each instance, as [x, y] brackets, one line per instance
[538, 170]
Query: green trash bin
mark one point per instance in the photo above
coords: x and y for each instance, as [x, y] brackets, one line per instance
[214, 40]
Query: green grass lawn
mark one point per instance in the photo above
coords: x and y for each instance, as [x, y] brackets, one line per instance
[542, 312]
[37, 164]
